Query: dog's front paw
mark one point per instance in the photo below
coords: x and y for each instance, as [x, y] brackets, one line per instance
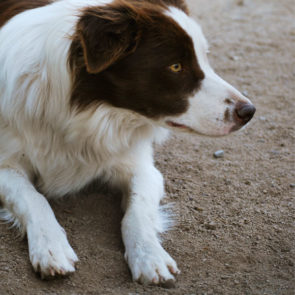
[50, 251]
[151, 264]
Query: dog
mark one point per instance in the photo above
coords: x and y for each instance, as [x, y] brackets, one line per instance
[86, 88]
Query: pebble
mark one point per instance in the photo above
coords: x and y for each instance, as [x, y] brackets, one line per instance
[211, 226]
[292, 185]
[262, 118]
[219, 154]
[198, 209]
[227, 182]
[235, 58]
[274, 152]
[286, 249]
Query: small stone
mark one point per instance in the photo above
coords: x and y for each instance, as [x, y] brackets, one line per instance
[274, 152]
[211, 226]
[198, 209]
[286, 249]
[261, 118]
[292, 185]
[247, 182]
[219, 154]
[235, 58]
[264, 191]
[227, 182]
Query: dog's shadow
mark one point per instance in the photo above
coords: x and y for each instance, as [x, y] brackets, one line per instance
[92, 220]
[92, 216]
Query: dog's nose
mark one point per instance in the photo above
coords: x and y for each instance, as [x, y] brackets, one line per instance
[245, 112]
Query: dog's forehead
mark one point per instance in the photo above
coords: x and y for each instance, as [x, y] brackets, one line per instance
[194, 31]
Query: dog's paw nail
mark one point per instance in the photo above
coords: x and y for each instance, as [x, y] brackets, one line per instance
[173, 270]
[52, 272]
[73, 263]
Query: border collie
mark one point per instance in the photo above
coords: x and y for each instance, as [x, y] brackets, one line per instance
[86, 88]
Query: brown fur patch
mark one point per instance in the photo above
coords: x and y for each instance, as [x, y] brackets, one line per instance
[121, 55]
[10, 8]
[108, 33]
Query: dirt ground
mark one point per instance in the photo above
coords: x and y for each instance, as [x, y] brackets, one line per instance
[235, 231]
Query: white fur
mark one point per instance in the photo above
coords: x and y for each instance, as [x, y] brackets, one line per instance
[41, 136]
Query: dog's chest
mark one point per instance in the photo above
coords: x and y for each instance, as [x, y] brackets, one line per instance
[62, 168]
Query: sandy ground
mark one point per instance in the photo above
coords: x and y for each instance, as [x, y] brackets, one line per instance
[235, 226]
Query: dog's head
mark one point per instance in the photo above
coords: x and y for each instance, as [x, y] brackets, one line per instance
[152, 59]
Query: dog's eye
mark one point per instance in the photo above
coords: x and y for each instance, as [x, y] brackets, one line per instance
[176, 68]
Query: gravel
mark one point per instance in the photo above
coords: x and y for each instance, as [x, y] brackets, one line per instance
[219, 154]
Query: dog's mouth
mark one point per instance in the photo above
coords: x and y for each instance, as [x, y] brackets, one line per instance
[181, 127]
[184, 128]
[178, 125]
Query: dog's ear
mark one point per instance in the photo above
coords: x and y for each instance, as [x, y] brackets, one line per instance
[107, 34]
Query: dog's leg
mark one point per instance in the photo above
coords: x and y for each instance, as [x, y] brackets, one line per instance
[148, 261]
[50, 252]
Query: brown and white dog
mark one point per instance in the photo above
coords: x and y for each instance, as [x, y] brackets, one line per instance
[86, 88]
